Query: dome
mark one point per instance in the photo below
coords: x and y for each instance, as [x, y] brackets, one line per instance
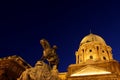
[91, 38]
[93, 49]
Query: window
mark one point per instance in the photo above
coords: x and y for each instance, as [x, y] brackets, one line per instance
[103, 51]
[87, 41]
[91, 57]
[107, 52]
[83, 50]
[90, 50]
[97, 48]
[104, 57]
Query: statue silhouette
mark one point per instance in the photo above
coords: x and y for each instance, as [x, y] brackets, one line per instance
[49, 53]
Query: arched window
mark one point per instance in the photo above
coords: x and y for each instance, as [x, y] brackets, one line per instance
[91, 57]
[83, 50]
[97, 48]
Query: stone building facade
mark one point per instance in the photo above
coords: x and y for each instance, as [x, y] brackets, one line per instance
[11, 67]
[94, 61]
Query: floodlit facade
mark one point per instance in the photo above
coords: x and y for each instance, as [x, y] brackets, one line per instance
[94, 61]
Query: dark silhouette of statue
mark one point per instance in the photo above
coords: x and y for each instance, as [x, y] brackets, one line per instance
[41, 70]
[49, 53]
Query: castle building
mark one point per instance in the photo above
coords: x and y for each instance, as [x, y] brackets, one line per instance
[94, 61]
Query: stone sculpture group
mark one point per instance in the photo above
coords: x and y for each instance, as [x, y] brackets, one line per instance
[42, 70]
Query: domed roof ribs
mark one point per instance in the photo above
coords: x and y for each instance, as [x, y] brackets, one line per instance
[92, 37]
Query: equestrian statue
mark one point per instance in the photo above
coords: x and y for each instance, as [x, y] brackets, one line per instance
[43, 70]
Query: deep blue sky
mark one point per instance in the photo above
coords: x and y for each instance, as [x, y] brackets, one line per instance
[61, 22]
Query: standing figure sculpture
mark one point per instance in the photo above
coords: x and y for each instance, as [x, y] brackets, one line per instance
[49, 53]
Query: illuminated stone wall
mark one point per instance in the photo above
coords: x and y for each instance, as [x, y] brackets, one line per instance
[63, 75]
[94, 61]
[96, 77]
[11, 67]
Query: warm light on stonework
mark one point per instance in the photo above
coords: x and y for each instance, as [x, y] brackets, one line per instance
[91, 73]
[90, 70]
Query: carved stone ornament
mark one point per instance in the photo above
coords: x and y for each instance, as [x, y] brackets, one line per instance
[41, 71]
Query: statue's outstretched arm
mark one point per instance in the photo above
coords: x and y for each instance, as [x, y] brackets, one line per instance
[45, 44]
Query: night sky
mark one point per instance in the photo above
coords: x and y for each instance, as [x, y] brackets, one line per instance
[62, 22]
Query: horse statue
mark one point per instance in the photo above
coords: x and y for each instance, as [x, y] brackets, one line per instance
[41, 71]
[49, 53]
